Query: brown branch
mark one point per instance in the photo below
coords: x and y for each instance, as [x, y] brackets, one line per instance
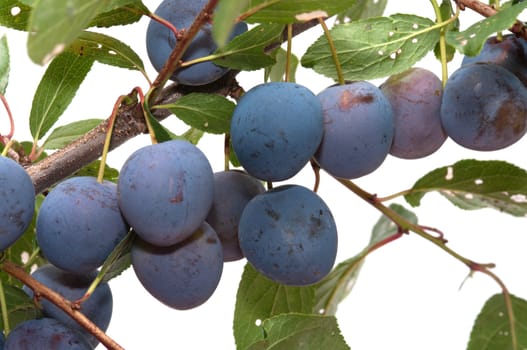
[485, 10]
[67, 306]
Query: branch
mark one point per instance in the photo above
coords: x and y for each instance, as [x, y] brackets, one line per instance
[67, 306]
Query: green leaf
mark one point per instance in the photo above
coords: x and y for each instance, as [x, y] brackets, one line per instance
[63, 135]
[54, 24]
[474, 184]
[470, 41]
[259, 298]
[337, 285]
[107, 50]
[374, 48]
[277, 71]
[290, 11]
[297, 331]
[56, 90]
[208, 112]
[492, 328]
[447, 11]
[14, 14]
[225, 15]
[20, 307]
[161, 133]
[120, 13]
[4, 64]
[362, 9]
[92, 170]
[119, 260]
[193, 135]
[246, 51]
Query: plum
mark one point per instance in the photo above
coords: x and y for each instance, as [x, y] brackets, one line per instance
[98, 307]
[289, 235]
[232, 191]
[484, 107]
[182, 276]
[18, 201]
[79, 224]
[415, 96]
[160, 41]
[275, 129]
[358, 129]
[165, 191]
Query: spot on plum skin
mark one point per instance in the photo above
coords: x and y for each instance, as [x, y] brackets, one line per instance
[348, 100]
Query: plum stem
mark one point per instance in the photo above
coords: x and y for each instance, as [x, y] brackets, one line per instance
[3, 308]
[289, 53]
[40, 290]
[333, 49]
[442, 42]
[10, 116]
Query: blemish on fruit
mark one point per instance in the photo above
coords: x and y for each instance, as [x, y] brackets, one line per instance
[348, 99]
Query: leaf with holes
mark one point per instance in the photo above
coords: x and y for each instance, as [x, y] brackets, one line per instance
[297, 331]
[56, 90]
[363, 9]
[374, 48]
[475, 184]
[14, 14]
[259, 298]
[207, 112]
[65, 134]
[492, 329]
[470, 41]
[4, 64]
[338, 284]
[55, 24]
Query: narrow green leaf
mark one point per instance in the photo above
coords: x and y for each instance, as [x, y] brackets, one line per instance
[56, 90]
[4, 64]
[20, 306]
[259, 298]
[246, 51]
[54, 24]
[208, 112]
[193, 135]
[14, 14]
[120, 13]
[64, 135]
[375, 47]
[119, 260]
[225, 17]
[492, 328]
[336, 286]
[470, 41]
[297, 331]
[92, 169]
[107, 50]
[290, 11]
[277, 71]
[475, 184]
[362, 9]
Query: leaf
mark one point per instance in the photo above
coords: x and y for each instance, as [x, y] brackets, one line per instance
[92, 170]
[337, 285]
[64, 135]
[54, 24]
[297, 331]
[470, 41]
[161, 133]
[475, 184]
[208, 112]
[119, 260]
[362, 9]
[374, 48]
[277, 71]
[106, 50]
[290, 11]
[127, 14]
[56, 90]
[4, 64]
[20, 307]
[225, 15]
[14, 14]
[447, 11]
[193, 135]
[492, 328]
[259, 298]
[246, 51]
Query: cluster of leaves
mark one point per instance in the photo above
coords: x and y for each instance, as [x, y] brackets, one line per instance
[368, 46]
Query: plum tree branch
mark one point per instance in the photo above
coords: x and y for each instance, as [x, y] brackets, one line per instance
[68, 307]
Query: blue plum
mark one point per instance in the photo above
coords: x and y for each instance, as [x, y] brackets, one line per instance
[79, 224]
[18, 201]
[160, 41]
[98, 307]
[182, 276]
[45, 334]
[415, 96]
[165, 191]
[358, 129]
[289, 235]
[510, 52]
[275, 129]
[484, 107]
[232, 191]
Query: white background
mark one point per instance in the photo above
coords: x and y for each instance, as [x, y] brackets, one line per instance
[409, 294]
